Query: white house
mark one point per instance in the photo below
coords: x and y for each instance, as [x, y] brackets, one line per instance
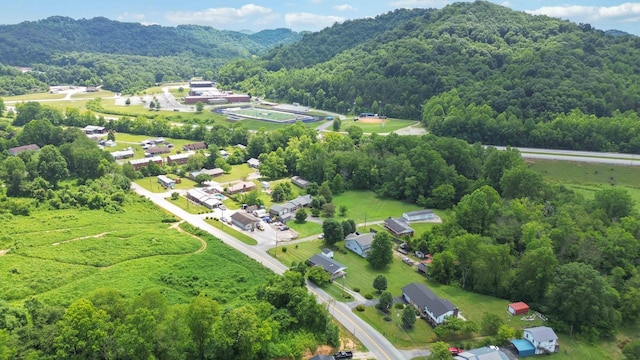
[254, 163]
[419, 215]
[166, 182]
[428, 304]
[359, 243]
[543, 338]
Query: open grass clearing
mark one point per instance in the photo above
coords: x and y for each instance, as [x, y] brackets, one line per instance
[419, 336]
[188, 206]
[366, 206]
[34, 97]
[376, 128]
[93, 95]
[238, 172]
[305, 229]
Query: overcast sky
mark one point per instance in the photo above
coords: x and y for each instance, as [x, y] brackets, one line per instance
[255, 15]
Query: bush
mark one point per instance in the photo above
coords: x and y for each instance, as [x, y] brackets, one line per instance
[356, 289]
[368, 296]
[360, 308]
[399, 306]
[284, 249]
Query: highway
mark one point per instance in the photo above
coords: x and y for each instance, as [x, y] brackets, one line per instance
[577, 156]
[377, 344]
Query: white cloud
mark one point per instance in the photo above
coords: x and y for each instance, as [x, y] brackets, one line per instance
[307, 21]
[627, 12]
[225, 17]
[130, 17]
[344, 7]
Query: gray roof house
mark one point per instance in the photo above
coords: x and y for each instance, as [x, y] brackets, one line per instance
[302, 201]
[359, 243]
[253, 162]
[398, 227]
[334, 268]
[243, 220]
[428, 304]
[483, 353]
[297, 180]
[543, 338]
[418, 215]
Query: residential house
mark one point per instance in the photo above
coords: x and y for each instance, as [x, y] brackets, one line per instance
[241, 187]
[244, 220]
[211, 172]
[166, 182]
[20, 149]
[334, 268]
[225, 154]
[254, 163]
[483, 353]
[156, 150]
[543, 338]
[178, 159]
[140, 163]
[302, 183]
[204, 198]
[327, 252]
[123, 154]
[434, 309]
[94, 130]
[194, 146]
[359, 243]
[518, 308]
[302, 201]
[398, 227]
[419, 215]
[110, 143]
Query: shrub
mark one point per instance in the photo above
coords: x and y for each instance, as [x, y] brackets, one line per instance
[284, 249]
[368, 296]
[356, 289]
[360, 308]
[399, 306]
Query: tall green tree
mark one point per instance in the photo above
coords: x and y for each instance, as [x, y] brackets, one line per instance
[52, 166]
[332, 230]
[83, 331]
[13, 173]
[381, 252]
[380, 283]
[202, 314]
[615, 202]
[408, 317]
[477, 211]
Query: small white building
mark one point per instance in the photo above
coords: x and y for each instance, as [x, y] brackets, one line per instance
[543, 338]
[166, 182]
[419, 215]
[253, 162]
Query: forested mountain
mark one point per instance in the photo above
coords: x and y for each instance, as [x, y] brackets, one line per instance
[530, 69]
[122, 57]
[32, 42]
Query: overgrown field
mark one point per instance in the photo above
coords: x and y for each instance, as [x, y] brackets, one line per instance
[59, 256]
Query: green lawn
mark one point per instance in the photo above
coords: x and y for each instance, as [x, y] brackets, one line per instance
[189, 206]
[369, 128]
[419, 336]
[93, 95]
[233, 232]
[366, 206]
[36, 96]
[306, 229]
[151, 183]
[238, 172]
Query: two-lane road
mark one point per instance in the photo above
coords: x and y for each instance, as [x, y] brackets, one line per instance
[377, 344]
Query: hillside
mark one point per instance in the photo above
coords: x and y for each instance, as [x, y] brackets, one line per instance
[32, 42]
[527, 67]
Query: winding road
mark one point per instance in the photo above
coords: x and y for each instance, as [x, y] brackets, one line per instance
[377, 344]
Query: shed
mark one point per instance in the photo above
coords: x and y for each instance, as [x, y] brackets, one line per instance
[328, 253]
[418, 215]
[518, 308]
[523, 347]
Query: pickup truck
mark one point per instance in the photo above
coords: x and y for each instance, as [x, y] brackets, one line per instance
[343, 355]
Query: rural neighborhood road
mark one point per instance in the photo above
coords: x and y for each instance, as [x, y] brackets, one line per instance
[576, 156]
[377, 344]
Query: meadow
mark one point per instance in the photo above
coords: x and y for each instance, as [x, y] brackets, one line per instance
[366, 206]
[388, 126]
[60, 256]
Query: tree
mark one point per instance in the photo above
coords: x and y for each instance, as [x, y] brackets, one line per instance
[2, 107]
[381, 252]
[582, 299]
[318, 275]
[332, 230]
[439, 351]
[52, 166]
[408, 317]
[325, 191]
[127, 102]
[505, 333]
[385, 302]
[343, 210]
[111, 135]
[199, 107]
[82, 331]
[348, 227]
[13, 173]
[336, 124]
[520, 182]
[615, 202]
[202, 178]
[337, 185]
[301, 216]
[477, 211]
[201, 315]
[491, 324]
[535, 271]
[380, 283]
[328, 210]
[631, 350]
[443, 196]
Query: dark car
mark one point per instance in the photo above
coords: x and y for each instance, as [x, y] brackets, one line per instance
[343, 355]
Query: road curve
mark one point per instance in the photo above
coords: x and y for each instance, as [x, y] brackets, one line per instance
[377, 344]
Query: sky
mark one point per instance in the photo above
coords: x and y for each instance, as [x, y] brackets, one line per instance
[298, 15]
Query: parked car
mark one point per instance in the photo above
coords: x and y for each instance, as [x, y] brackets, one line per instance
[321, 236]
[407, 261]
[455, 351]
[285, 227]
[343, 355]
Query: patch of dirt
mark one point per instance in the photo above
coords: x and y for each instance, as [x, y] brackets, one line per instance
[177, 227]
[2, 252]
[372, 120]
[81, 238]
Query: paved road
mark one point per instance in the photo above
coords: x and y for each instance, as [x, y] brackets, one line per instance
[377, 344]
[577, 156]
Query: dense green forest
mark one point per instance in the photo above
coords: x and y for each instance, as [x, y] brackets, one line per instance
[122, 57]
[527, 70]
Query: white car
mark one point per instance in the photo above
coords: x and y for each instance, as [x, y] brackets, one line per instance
[321, 236]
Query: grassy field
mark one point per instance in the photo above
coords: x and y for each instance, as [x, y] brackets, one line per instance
[238, 172]
[587, 178]
[189, 206]
[365, 206]
[371, 128]
[418, 337]
[30, 97]
[93, 95]
[60, 256]
[305, 229]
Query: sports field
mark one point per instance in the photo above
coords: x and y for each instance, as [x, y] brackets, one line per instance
[264, 114]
